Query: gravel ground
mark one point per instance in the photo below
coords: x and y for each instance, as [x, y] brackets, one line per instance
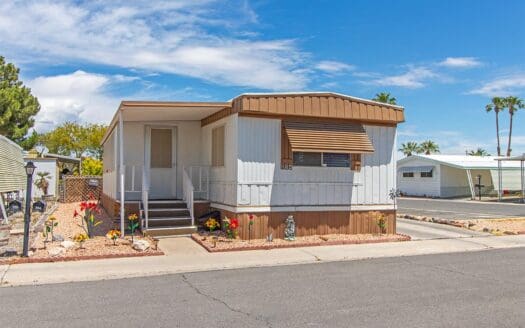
[512, 225]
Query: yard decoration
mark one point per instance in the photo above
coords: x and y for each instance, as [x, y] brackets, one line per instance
[88, 219]
[113, 235]
[230, 227]
[42, 182]
[49, 225]
[80, 238]
[133, 225]
[250, 223]
[381, 223]
[211, 224]
[289, 229]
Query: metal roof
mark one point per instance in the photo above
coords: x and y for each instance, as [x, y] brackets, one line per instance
[463, 161]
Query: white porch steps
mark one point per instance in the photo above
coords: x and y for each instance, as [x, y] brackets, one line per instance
[168, 218]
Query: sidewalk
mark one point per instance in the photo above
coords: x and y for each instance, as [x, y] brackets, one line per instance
[184, 255]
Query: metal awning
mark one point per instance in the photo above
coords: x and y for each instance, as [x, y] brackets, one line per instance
[328, 137]
[416, 169]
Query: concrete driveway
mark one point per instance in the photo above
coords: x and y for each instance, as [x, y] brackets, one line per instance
[458, 209]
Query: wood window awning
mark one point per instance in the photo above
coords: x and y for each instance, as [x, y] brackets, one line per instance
[350, 138]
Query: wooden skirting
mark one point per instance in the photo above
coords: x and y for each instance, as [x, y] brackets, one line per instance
[312, 223]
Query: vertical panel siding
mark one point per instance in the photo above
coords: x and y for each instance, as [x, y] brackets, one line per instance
[262, 182]
[418, 186]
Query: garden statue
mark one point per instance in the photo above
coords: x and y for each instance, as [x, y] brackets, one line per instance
[289, 230]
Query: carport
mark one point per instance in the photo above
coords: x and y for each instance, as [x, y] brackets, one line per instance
[520, 159]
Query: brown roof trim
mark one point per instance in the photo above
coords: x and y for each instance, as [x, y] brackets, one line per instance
[315, 105]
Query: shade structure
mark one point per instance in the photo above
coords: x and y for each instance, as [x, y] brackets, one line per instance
[328, 137]
[416, 169]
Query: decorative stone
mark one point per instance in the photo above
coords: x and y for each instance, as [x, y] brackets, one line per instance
[140, 245]
[289, 229]
[57, 237]
[57, 251]
[14, 206]
[30, 253]
[67, 244]
[7, 251]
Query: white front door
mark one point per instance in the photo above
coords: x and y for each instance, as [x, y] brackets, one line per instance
[162, 160]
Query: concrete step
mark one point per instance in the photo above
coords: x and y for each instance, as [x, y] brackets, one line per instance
[169, 222]
[157, 204]
[168, 212]
[171, 231]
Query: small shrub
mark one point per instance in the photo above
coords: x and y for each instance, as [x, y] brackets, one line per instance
[113, 235]
[381, 223]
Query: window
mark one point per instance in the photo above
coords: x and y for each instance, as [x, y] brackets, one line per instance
[321, 159]
[426, 174]
[217, 146]
[307, 159]
[408, 174]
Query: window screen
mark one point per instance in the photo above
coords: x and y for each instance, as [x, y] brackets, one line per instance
[306, 159]
[426, 174]
[408, 174]
[336, 160]
[217, 146]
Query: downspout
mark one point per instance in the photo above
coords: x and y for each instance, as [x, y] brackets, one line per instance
[121, 171]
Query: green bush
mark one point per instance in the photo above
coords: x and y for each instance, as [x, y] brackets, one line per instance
[91, 166]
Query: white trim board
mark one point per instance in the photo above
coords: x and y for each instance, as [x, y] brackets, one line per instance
[259, 209]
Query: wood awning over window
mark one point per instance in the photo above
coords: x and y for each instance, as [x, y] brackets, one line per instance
[348, 138]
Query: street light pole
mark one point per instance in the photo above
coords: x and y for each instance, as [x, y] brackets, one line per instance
[30, 168]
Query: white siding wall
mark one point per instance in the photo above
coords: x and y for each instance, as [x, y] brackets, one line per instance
[454, 182]
[223, 180]
[511, 179]
[188, 154]
[418, 186]
[263, 183]
[109, 175]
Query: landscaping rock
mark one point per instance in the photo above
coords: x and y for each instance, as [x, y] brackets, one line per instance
[58, 237]
[140, 245]
[486, 230]
[67, 244]
[57, 251]
[7, 251]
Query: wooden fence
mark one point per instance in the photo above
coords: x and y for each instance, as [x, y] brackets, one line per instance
[80, 188]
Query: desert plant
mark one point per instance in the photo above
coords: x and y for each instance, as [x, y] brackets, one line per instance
[513, 104]
[89, 221]
[428, 147]
[497, 105]
[385, 97]
[133, 224]
[410, 148]
[381, 223]
[42, 182]
[113, 235]
[250, 224]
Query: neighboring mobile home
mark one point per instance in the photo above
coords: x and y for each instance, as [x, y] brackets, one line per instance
[327, 159]
[448, 176]
[12, 174]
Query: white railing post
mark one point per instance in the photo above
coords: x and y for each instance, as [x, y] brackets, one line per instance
[145, 197]
[188, 192]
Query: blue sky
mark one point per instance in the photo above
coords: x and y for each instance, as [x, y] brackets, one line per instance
[442, 60]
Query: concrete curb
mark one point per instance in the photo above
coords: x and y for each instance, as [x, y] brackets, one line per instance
[24, 260]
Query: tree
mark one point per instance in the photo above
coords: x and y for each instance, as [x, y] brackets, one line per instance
[478, 152]
[42, 181]
[429, 147]
[18, 106]
[513, 104]
[410, 148]
[497, 105]
[91, 166]
[385, 97]
[74, 139]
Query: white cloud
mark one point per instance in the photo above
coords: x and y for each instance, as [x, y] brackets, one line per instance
[460, 62]
[155, 36]
[331, 66]
[78, 97]
[502, 86]
[414, 78]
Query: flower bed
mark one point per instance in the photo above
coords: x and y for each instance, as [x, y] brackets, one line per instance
[70, 229]
[218, 242]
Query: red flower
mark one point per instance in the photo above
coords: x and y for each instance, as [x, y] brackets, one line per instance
[75, 214]
[83, 206]
[234, 223]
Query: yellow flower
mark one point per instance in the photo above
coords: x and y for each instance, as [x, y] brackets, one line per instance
[52, 218]
[133, 217]
[113, 234]
[80, 237]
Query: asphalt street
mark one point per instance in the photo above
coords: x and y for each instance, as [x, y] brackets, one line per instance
[458, 209]
[475, 289]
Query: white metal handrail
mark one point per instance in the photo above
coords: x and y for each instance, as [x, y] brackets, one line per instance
[145, 197]
[188, 193]
[200, 176]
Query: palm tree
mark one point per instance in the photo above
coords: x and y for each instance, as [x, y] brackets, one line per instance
[429, 147]
[385, 97]
[497, 105]
[409, 148]
[478, 152]
[513, 104]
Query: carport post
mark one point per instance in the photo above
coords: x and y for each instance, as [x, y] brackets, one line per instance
[471, 185]
[522, 166]
[121, 171]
